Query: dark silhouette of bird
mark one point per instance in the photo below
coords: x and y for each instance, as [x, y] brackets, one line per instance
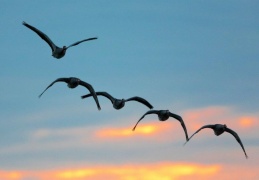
[163, 115]
[120, 103]
[73, 82]
[57, 52]
[218, 130]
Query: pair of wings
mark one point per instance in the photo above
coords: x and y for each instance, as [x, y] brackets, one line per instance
[227, 130]
[177, 117]
[82, 83]
[112, 99]
[49, 41]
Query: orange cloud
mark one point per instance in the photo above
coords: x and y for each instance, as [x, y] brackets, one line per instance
[75, 174]
[10, 175]
[196, 118]
[143, 130]
[159, 131]
[163, 171]
[247, 122]
[206, 113]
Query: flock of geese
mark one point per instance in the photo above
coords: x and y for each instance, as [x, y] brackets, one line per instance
[163, 115]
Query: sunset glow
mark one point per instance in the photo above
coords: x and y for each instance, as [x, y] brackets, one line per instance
[163, 171]
[75, 174]
[122, 132]
[140, 90]
[10, 175]
[247, 122]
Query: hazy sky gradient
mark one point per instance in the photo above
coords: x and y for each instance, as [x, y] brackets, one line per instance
[197, 59]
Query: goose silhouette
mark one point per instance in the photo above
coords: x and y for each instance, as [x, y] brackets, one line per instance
[57, 52]
[73, 82]
[163, 115]
[120, 103]
[220, 129]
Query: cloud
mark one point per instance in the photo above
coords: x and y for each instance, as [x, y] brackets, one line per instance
[195, 118]
[170, 130]
[151, 141]
[248, 121]
[10, 175]
[163, 171]
[151, 129]
[143, 171]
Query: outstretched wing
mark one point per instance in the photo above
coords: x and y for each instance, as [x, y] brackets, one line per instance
[92, 92]
[105, 94]
[206, 126]
[57, 80]
[149, 112]
[78, 42]
[42, 35]
[237, 138]
[179, 118]
[141, 100]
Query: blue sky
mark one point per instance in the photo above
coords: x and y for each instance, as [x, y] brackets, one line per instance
[188, 57]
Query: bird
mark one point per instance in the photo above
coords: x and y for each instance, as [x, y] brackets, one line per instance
[57, 52]
[220, 129]
[73, 82]
[163, 115]
[120, 103]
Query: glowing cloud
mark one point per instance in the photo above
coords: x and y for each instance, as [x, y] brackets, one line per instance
[122, 132]
[247, 122]
[10, 175]
[164, 171]
[196, 118]
[75, 174]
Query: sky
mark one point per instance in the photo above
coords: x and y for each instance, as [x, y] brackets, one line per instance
[197, 59]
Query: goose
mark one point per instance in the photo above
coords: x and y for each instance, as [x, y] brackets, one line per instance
[163, 115]
[57, 52]
[120, 103]
[73, 82]
[220, 129]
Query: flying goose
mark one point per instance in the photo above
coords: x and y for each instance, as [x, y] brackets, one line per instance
[120, 103]
[73, 82]
[163, 115]
[220, 129]
[57, 52]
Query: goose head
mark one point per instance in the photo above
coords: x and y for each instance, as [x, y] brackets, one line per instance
[64, 49]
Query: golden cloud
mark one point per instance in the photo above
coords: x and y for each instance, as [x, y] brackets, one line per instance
[126, 132]
[247, 121]
[162, 171]
[10, 175]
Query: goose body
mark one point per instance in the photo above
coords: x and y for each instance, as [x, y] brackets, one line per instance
[57, 52]
[220, 129]
[120, 103]
[163, 115]
[73, 82]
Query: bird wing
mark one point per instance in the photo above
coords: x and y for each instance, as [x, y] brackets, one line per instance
[141, 100]
[78, 42]
[237, 138]
[179, 118]
[42, 35]
[57, 80]
[206, 126]
[148, 112]
[92, 91]
[105, 94]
